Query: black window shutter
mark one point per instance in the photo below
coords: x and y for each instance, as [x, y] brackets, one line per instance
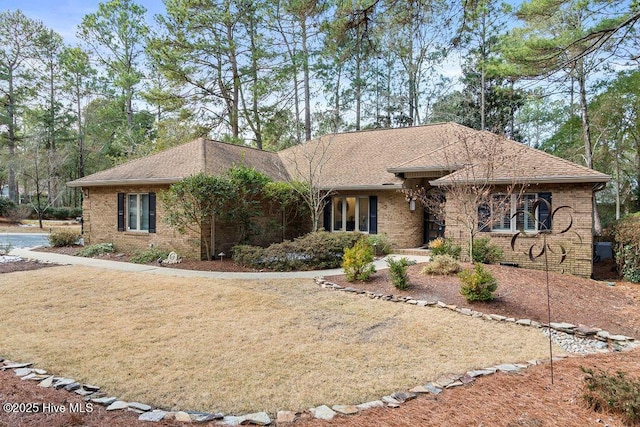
[544, 211]
[373, 214]
[326, 215]
[120, 211]
[484, 214]
[152, 212]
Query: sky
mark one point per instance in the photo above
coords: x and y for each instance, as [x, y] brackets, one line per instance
[63, 16]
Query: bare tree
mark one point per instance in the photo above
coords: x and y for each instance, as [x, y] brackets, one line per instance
[309, 163]
[477, 195]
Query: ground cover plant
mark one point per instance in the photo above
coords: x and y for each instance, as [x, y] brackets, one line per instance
[442, 265]
[616, 393]
[149, 255]
[239, 346]
[95, 250]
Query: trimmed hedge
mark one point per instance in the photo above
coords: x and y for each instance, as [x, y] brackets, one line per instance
[313, 251]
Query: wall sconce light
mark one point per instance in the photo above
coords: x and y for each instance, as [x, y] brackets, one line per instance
[412, 205]
[85, 193]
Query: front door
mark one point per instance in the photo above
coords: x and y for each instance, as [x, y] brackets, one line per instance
[433, 226]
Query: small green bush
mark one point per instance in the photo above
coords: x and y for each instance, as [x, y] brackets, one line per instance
[615, 393]
[477, 284]
[313, 251]
[59, 213]
[5, 206]
[380, 244]
[358, 261]
[486, 252]
[398, 272]
[63, 238]
[446, 246]
[148, 255]
[442, 265]
[95, 250]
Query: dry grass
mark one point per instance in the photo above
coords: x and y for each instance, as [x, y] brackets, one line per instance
[33, 227]
[239, 346]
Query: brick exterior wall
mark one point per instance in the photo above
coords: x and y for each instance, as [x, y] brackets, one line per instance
[99, 209]
[578, 241]
[402, 227]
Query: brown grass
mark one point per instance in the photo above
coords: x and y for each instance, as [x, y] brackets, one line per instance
[33, 227]
[239, 346]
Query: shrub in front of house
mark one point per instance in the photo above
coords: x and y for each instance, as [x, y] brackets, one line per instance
[146, 256]
[446, 246]
[627, 247]
[398, 272]
[313, 251]
[486, 252]
[477, 284]
[358, 261]
[380, 244]
[63, 238]
[442, 265]
[613, 393]
[95, 250]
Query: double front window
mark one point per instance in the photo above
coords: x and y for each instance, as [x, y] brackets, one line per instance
[350, 214]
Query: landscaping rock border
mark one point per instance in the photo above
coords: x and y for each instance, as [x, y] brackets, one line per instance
[578, 339]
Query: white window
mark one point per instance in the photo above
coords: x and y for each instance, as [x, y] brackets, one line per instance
[138, 212]
[513, 213]
[350, 214]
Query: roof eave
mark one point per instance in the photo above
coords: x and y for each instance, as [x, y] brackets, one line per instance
[112, 183]
[362, 187]
[542, 180]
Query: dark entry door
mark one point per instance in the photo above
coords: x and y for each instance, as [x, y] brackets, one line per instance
[433, 227]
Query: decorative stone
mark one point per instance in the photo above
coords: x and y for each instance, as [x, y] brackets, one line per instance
[441, 304]
[47, 382]
[29, 376]
[16, 366]
[497, 317]
[370, 405]
[182, 417]
[231, 420]
[82, 392]
[323, 412]
[63, 382]
[345, 409]
[506, 367]
[139, 406]
[480, 372]
[153, 416]
[455, 384]
[117, 405]
[91, 387]
[402, 396]
[21, 372]
[284, 417]
[106, 401]
[466, 379]
[523, 322]
[510, 320]
[536, 324]
[419, 389]
[446, 380]
[620, 338]
[390, 400]
[201, 417]
[258, 419]
[433, 388]
[465, 311]
[40, 371]
[72, 386]
[562, 326]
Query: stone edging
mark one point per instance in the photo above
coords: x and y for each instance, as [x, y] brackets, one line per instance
[93, 394]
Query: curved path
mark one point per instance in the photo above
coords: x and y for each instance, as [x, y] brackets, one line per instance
[177, 272]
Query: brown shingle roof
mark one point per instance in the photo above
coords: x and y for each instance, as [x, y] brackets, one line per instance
[359, 160]
[179, 162]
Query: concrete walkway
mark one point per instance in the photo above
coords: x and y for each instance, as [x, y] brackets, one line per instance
[51, 257]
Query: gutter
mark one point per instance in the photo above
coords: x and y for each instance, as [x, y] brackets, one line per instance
[143, 181]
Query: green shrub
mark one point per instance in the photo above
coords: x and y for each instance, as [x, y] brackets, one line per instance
[446, 246]
[442, 265]
[63, 238]
[380, 244]
[75, 213]
[59, 213]
[627, 247]
[615, 393]
[95, 250]
[398, 272]
[148, 255]
[477, 284]
[5, 206]
[313, 251]
[358, 261]
[486, 252]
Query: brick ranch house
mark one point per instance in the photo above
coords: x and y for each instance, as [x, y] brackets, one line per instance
[364, 173]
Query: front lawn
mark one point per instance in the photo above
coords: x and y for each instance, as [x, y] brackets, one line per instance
[239, 346]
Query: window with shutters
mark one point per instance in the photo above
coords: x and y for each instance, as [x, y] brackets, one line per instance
[351, 214]
[138, 212]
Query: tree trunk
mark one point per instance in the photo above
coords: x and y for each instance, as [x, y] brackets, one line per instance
[305, 69]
